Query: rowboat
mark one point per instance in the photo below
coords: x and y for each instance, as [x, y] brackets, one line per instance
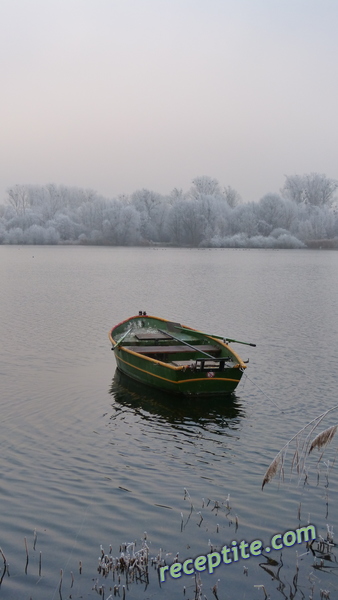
[175, 358]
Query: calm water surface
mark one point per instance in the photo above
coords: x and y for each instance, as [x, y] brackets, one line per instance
[87, 458]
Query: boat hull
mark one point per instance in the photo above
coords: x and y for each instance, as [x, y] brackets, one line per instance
[189, 378]
[187, 383]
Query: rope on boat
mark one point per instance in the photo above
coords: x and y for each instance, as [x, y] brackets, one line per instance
[268, 397]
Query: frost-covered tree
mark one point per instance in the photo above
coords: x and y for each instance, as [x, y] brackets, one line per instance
[314, 189]
[3, 235]
[176, 195]
[244, 219]
[36, 234]
[193, 223]
[147, 203]
[232, 197]
[121, 226]
[51, 201]
[276, 212]
[18, 198]
[66, 227]
[91, 214]
[174, 222]
[204, 185]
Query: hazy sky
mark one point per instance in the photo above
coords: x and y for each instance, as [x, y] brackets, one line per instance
[117, 95]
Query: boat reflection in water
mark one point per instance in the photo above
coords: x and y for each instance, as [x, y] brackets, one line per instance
[219, 412]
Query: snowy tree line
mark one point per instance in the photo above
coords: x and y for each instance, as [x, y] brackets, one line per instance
[206, 215]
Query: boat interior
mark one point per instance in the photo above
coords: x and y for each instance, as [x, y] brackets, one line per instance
[180, 349]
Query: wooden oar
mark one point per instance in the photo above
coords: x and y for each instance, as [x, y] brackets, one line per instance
[186, 343]
[121, 339]
[218, 337]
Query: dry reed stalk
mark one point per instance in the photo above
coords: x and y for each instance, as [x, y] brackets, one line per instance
[304, 446]
[272, 469]
[323, 438]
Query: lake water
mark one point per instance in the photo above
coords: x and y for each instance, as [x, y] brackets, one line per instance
[89, 459]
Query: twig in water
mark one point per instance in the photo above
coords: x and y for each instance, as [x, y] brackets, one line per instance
[3, 557]
[262, 588]
[27, 557]
[5, 566]
[60, 585]
[329, 535]
[215, 589]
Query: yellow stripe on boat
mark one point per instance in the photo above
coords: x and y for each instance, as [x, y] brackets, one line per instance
[170, 380]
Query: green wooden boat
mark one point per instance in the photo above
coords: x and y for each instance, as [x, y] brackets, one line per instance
[175, 358]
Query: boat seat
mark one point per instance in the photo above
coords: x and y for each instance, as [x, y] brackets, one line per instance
[173, 349]
[152, 336]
